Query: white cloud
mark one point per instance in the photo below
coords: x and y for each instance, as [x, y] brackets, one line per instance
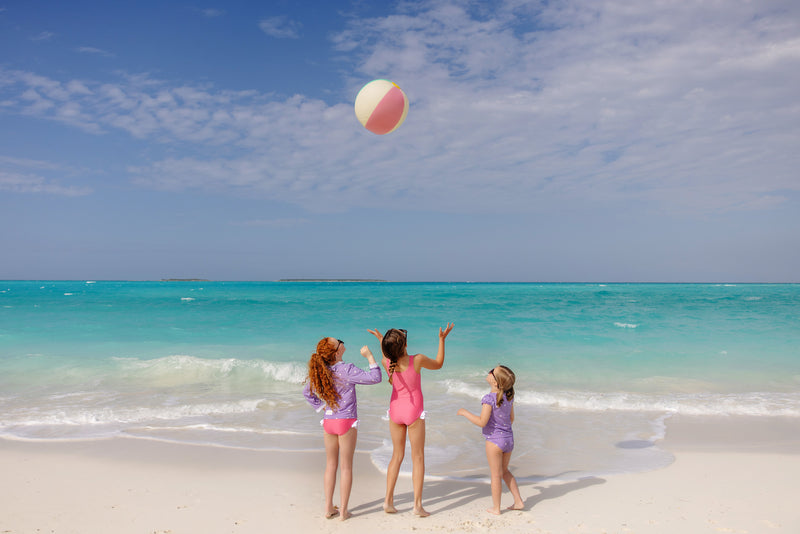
[273, 223]
[212, 13]
[281, 27]
[31, 183]
[690, 106]
[93, 50]
[24, 175]
[10, 161]
[43, 36]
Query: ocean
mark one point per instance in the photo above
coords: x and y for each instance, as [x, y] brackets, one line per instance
[600, 367]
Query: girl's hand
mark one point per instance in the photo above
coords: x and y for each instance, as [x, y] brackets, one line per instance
[365, 352]
[479, 420]
[377, 334]
[443, 334]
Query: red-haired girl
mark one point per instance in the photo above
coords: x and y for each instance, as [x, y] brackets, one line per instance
[331, 385]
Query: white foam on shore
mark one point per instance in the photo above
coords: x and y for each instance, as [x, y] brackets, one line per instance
[753, 404]
[785, 404]
[125, 416]
[185, 369]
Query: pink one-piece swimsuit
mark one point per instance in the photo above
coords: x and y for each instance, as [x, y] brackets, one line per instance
[406, 404]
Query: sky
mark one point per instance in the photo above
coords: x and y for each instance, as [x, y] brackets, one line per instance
[546, 141]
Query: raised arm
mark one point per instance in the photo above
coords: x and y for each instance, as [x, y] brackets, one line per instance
[373, 375]
[376, 333]
[365, 352]
[429, 363]
[354, 374]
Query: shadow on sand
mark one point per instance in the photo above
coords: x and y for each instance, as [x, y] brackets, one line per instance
[444, 495]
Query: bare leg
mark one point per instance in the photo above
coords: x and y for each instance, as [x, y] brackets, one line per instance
[416, 435]
[511, 482]
[495, 458]
[398, 433]
[331, 465]
[347, 447]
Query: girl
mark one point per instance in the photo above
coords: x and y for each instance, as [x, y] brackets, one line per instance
[406, 409]
[497, 415]
[331, 384]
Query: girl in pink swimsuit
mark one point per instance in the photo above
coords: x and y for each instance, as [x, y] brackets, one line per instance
[407, 410]
[331, 386]
[497, 415]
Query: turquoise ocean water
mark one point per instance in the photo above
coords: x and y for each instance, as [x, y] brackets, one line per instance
[600, 367]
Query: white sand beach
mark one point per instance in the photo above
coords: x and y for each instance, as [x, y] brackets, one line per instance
[718, 483]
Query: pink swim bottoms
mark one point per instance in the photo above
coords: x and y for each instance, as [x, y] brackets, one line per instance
[339, 427]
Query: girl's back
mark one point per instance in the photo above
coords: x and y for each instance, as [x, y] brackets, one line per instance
[499, 423]
[406, 404]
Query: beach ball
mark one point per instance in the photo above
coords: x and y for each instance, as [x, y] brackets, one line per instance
[381, 106]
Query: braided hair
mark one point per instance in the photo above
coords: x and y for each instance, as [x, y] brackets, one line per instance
[393, 346]
[320, 375]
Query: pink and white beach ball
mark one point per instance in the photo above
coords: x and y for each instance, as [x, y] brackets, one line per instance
[381, 106]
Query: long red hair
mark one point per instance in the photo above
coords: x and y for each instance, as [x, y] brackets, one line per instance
[320, 375]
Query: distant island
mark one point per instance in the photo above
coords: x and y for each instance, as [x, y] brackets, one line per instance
[285, 280]
[330, 280]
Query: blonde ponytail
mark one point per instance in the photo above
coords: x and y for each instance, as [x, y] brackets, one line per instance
[505, 383]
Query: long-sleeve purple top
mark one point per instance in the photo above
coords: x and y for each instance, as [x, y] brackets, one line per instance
[345, 377]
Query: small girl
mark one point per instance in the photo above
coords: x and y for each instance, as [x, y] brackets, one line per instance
[497, 415]
[331, 384]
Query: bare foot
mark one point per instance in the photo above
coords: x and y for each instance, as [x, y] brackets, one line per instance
[389, 508]
[330, 514]
[345, 515]
[493, 511]
[421, 512]
[516, 506]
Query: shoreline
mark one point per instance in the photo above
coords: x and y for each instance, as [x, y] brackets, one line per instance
[130, 485]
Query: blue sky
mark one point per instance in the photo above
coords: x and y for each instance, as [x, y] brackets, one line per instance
[597, 140]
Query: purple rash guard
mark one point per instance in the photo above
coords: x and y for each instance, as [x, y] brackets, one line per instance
[498, 428]
[345, 376]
